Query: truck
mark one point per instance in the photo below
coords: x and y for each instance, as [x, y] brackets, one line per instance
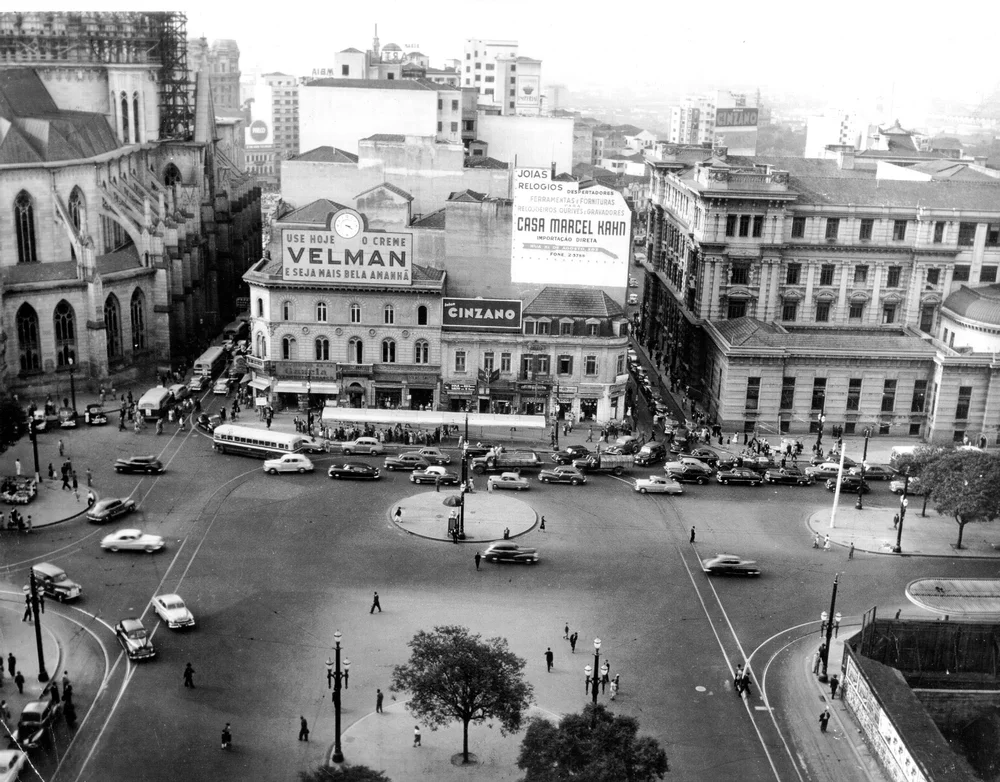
[499, 460]
[615, 464]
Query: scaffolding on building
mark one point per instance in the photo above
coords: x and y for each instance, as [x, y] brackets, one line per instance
[176, 89]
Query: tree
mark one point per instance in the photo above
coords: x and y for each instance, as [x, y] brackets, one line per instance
[454, 675]
[914, 464]
[964, 485]
[343, 774]
[610, 752]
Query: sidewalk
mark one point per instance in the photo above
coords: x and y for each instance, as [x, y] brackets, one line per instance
[487, 514]
[18, 638]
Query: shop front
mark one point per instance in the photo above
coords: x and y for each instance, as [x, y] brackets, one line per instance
[533, 398]
[565, 399]
[460, 397]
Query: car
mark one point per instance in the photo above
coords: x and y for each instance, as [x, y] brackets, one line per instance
[478, 450]
[850, 484]
[109, 509]
[739, 475]
[207, 423]
[628, 444]
[658, 484]
[729, 565]
[688, 461]
[686, 473]
[36, 719]
[146, 464]
[173, 612]
[651, 453]
[833, 458]
[289, 462]
[134, 640]
[435, 455]
[179, 391]
[68, 418]
[508, 480]
[791, 476]
[570, 453]
[11, 763]
[221, 386]
[706, 455]
[914, 487]
[507, 551]
[406, 461]
[824, 470]
[435, 474]
[562, 474]
[354, 471]
[875, 472]
[312, 445]
[633, 282]
[198, 383]
[367, 445]
[94, 415]
[132, 540]
[53, 581]
[633, 298]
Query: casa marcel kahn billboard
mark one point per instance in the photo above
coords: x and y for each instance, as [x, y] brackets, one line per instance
[345, 252]
[562, 234]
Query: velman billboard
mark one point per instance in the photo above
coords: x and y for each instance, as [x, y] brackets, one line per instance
[346, 253]
[562, 234]
[474, 314]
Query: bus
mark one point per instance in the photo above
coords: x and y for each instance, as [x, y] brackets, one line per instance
[211, 362]
[259, 443]
[155, 403]
[238, 330]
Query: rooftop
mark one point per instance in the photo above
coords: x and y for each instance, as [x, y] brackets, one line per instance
[750, 332]
[981, 303]
[326, 154]
[387, 186]
[484, 162]
[574, 302]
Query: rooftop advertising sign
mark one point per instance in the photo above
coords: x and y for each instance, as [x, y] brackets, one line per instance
[471, 314]
[346, 253]
[736, 118]
[562, 234]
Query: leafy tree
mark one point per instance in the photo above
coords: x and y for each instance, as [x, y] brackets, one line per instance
[454, 675]
[965, 485]
[915, 463]
[343, 774]
[610, 752]
[13, 420]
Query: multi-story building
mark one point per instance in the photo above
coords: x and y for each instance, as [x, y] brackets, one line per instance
[715, 118]
[223, 58]
[783, 290]
[837, 127]
[504, 82]
[284, 111]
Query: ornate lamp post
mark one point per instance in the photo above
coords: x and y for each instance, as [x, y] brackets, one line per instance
[903, 503]
[829, 625]
[335, 676]
[864, 457]
[593, 678]
[32, 591]
[33, 432]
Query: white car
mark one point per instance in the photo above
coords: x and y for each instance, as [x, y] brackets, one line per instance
[508, 480]
[363, 445]
[11, 763]
[173, 612]
[132, 540]
[658, 484]
[221, 386]
[198, 383]
[290, 462]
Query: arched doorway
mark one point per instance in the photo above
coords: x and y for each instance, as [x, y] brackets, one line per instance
[356, 393]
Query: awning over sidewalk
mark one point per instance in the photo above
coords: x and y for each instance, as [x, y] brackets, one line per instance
[260, 385]
[430, 418]
[297, 387]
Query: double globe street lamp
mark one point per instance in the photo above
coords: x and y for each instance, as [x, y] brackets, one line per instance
[594, 677]
[334, 678]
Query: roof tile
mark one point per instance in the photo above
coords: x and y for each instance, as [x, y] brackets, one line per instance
[575, 302]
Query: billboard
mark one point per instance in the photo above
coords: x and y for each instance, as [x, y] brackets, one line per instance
[562, 234]
[346, 253]
[529, 90]
[475, 314]
[736, 118]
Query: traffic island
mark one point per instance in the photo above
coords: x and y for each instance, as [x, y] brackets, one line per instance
[487, 515]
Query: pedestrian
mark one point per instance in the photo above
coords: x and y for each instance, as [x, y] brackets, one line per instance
[850, 553]
[375, 604]
[542, 526]
[17, 467]
[606, 676]
[572, 642]
[91, 498]
[65, 679]
[566, 632]
[27, 609]
[27, 528]
[398, 515]
[61, 448]
[590, 434]
[506, 533]
[378, 701]
[898, 612]
[41, 602]
[478, 559]
[65, 483]
[12, 662]
[826, 544]
[416, 735]
[745, 683]
[90, 477]
[303, 729]
[67, 693]
[227, 737]
[692, 534]
[895, 521]
[69, 712]
[489, 487]
[19, 681]
[5, 715]
[834, 684]
[738, 679]
[614, 687]
[824, 718]
[189, 676]
[549, 657]
[816, 541]
[52, 472]
[54, 693]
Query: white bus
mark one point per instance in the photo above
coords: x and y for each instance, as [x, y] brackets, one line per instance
[211, 362]
[155, 403]
[259, 443]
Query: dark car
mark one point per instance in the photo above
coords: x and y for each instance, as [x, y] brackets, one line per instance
[791, 476]
[134, 640]
[739, 475]
[562, 474]
[850, 484]
[146, 464]
[406, 461]
[36, 718]
[109, 509]
[94, 415]
[687, 473]
[475, 450]
[729, 565]
[707, 455]
[570, 453]
[507, 551]
[436, 473]
[834, 457]
[651, 453]
[207, 423]
[354, 471]
[876, 472]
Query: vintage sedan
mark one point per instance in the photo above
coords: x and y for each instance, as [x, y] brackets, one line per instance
[36, 719]
[406, 461]
[109, 509]
[435, 455]
[435, 474]
[367, 445]
[94, 415]
[687, 473]
[145, 464]
[172, 610]
[570, 453]
[11, 763]
[221, 387]
[562, 474]
[913, 487]
[508, 480]
[824, 470]
[207, 423]
[739, 475]
[358, 471]
[729, 565]
[134, 640]
[289, 462]
[850, 484]
[706, 455]
[506, 551]
[876, 472]
[132, 540]
[833, 458]
[791, 476]
[198, 383]
[658, 484]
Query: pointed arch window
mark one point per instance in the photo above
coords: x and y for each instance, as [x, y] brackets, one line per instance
[64, 323]
[125, 121]
[77, 209]
[29, 349]
[322, 349]
[24, 224]
[355, 351]
[113, 326]
[135, 116]
[138, 309]
[172, 176]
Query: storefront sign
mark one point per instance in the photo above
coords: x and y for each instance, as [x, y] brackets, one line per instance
[346, 253]
[459, 388]
[565, 390]
[476, 314]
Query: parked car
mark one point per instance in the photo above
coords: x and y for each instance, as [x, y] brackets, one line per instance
[849, 484]
[36, 719]
[658, 484]
[146, 464]
[562, 474]
[11, 763]
[198, 383]
[729, 565]
[367, 445]
[172, 610]
[571, 452]
[94, 415]
[633, 298]
[508, 480]
[134, 640]
[833, 458]
[435, 474]
[507, 551]
[132, 540]
[792, 476]
[354, 471]
[312, 445]
[824, 470]
[109, 509]
[207, 423]
[406, 461]
[633, 282]
[706, 455]
[876, 472]
[914, 487]
[435, 455]
[54, 582]
[739, 475]
[289, 462]
[221, 387]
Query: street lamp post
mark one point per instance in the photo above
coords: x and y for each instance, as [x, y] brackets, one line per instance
[33, 432]
[826, 617]
[593, 678]
[819, 432]
[43, 675]
[72, 383]
[334, 674]
[903, 503]
[861, 487]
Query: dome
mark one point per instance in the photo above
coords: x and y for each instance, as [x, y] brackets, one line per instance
[391, 47]
[981, 304]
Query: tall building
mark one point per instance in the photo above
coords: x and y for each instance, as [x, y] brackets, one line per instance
[719, 117]
[223, 58]
[505, 82]
[835, 126]
[284, 111]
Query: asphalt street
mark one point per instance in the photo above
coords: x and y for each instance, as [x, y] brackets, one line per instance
[272, 566]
